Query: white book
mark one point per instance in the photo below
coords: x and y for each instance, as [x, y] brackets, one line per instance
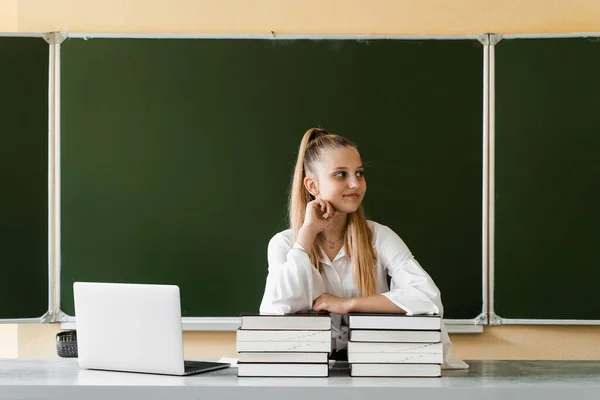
[284, 341]
[396, 370]
[283, 336]
[309, 321]
[299, 347]
[309, 370]
[373, 347]
[394, 321]
[395, 336]
[412, 353]
[280, 357]
[395, 358]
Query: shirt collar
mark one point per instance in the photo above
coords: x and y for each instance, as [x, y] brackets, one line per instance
[324, 259]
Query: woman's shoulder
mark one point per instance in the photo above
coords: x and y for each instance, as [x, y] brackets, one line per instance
[382, 233]
[379, 229]
[285, 237]
[388, 243]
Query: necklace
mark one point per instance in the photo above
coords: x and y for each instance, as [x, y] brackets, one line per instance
[331, 244]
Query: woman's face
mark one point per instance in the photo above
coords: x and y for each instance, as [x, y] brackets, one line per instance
[340, 179]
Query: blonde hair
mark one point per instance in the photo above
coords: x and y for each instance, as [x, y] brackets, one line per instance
[358, 238]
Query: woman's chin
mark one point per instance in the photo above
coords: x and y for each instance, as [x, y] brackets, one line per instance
[348, 209]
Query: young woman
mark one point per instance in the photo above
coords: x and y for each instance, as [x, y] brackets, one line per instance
[333, 259]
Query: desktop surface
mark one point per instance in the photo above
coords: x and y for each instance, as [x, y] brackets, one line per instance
[62, 378]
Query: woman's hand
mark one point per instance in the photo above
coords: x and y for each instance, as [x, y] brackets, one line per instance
[334, 304]
[319, 215]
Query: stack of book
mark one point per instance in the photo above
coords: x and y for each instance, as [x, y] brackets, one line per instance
[395, 345]
[284, 345]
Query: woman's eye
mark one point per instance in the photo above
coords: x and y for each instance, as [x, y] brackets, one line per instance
[343, 174]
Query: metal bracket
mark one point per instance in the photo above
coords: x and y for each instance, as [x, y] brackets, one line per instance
[481, 319]
[55, 37]
[494, 320]
[490, 39]
[495, 38]
[484, 39]
[488, 319]
[50, 316]
[61, 317]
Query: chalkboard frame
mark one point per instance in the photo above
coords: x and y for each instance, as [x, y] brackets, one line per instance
[231, 323]
[49, 315]
[493, 318]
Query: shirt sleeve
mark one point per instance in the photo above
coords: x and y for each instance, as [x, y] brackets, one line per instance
[411, 289]
[292, 282]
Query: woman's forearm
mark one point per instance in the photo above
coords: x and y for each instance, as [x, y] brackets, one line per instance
[306, 238]
[374, 304]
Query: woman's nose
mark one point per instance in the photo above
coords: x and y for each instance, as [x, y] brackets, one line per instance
[352, 183]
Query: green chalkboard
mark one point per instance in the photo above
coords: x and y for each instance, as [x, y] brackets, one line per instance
[547, 174]
[24, 177]
[177, 154]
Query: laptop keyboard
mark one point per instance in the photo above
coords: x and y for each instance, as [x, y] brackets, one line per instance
[190, 366]
[193, 365]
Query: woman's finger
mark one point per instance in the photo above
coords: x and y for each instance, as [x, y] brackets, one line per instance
[323, 205]
[318, 207]
[330, 209]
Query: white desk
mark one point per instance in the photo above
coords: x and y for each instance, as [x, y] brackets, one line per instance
[514, 380]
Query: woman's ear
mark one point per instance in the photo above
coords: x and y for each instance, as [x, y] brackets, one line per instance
[311, 186]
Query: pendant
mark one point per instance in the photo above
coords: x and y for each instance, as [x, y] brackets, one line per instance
[331, 245]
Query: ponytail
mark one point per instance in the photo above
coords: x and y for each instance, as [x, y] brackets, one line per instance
[299, 196]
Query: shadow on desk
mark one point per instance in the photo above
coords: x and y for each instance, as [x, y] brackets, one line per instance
[479, 371]
[536, 370]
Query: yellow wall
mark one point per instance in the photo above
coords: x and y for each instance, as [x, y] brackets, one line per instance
[496, 343]
[8, 341]
[8, 16]
[311, 16]
[442, 17]
[37, 340]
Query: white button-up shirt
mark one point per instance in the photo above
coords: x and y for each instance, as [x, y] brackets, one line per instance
[293, 283]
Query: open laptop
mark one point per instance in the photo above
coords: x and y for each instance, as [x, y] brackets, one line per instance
[132, 328]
